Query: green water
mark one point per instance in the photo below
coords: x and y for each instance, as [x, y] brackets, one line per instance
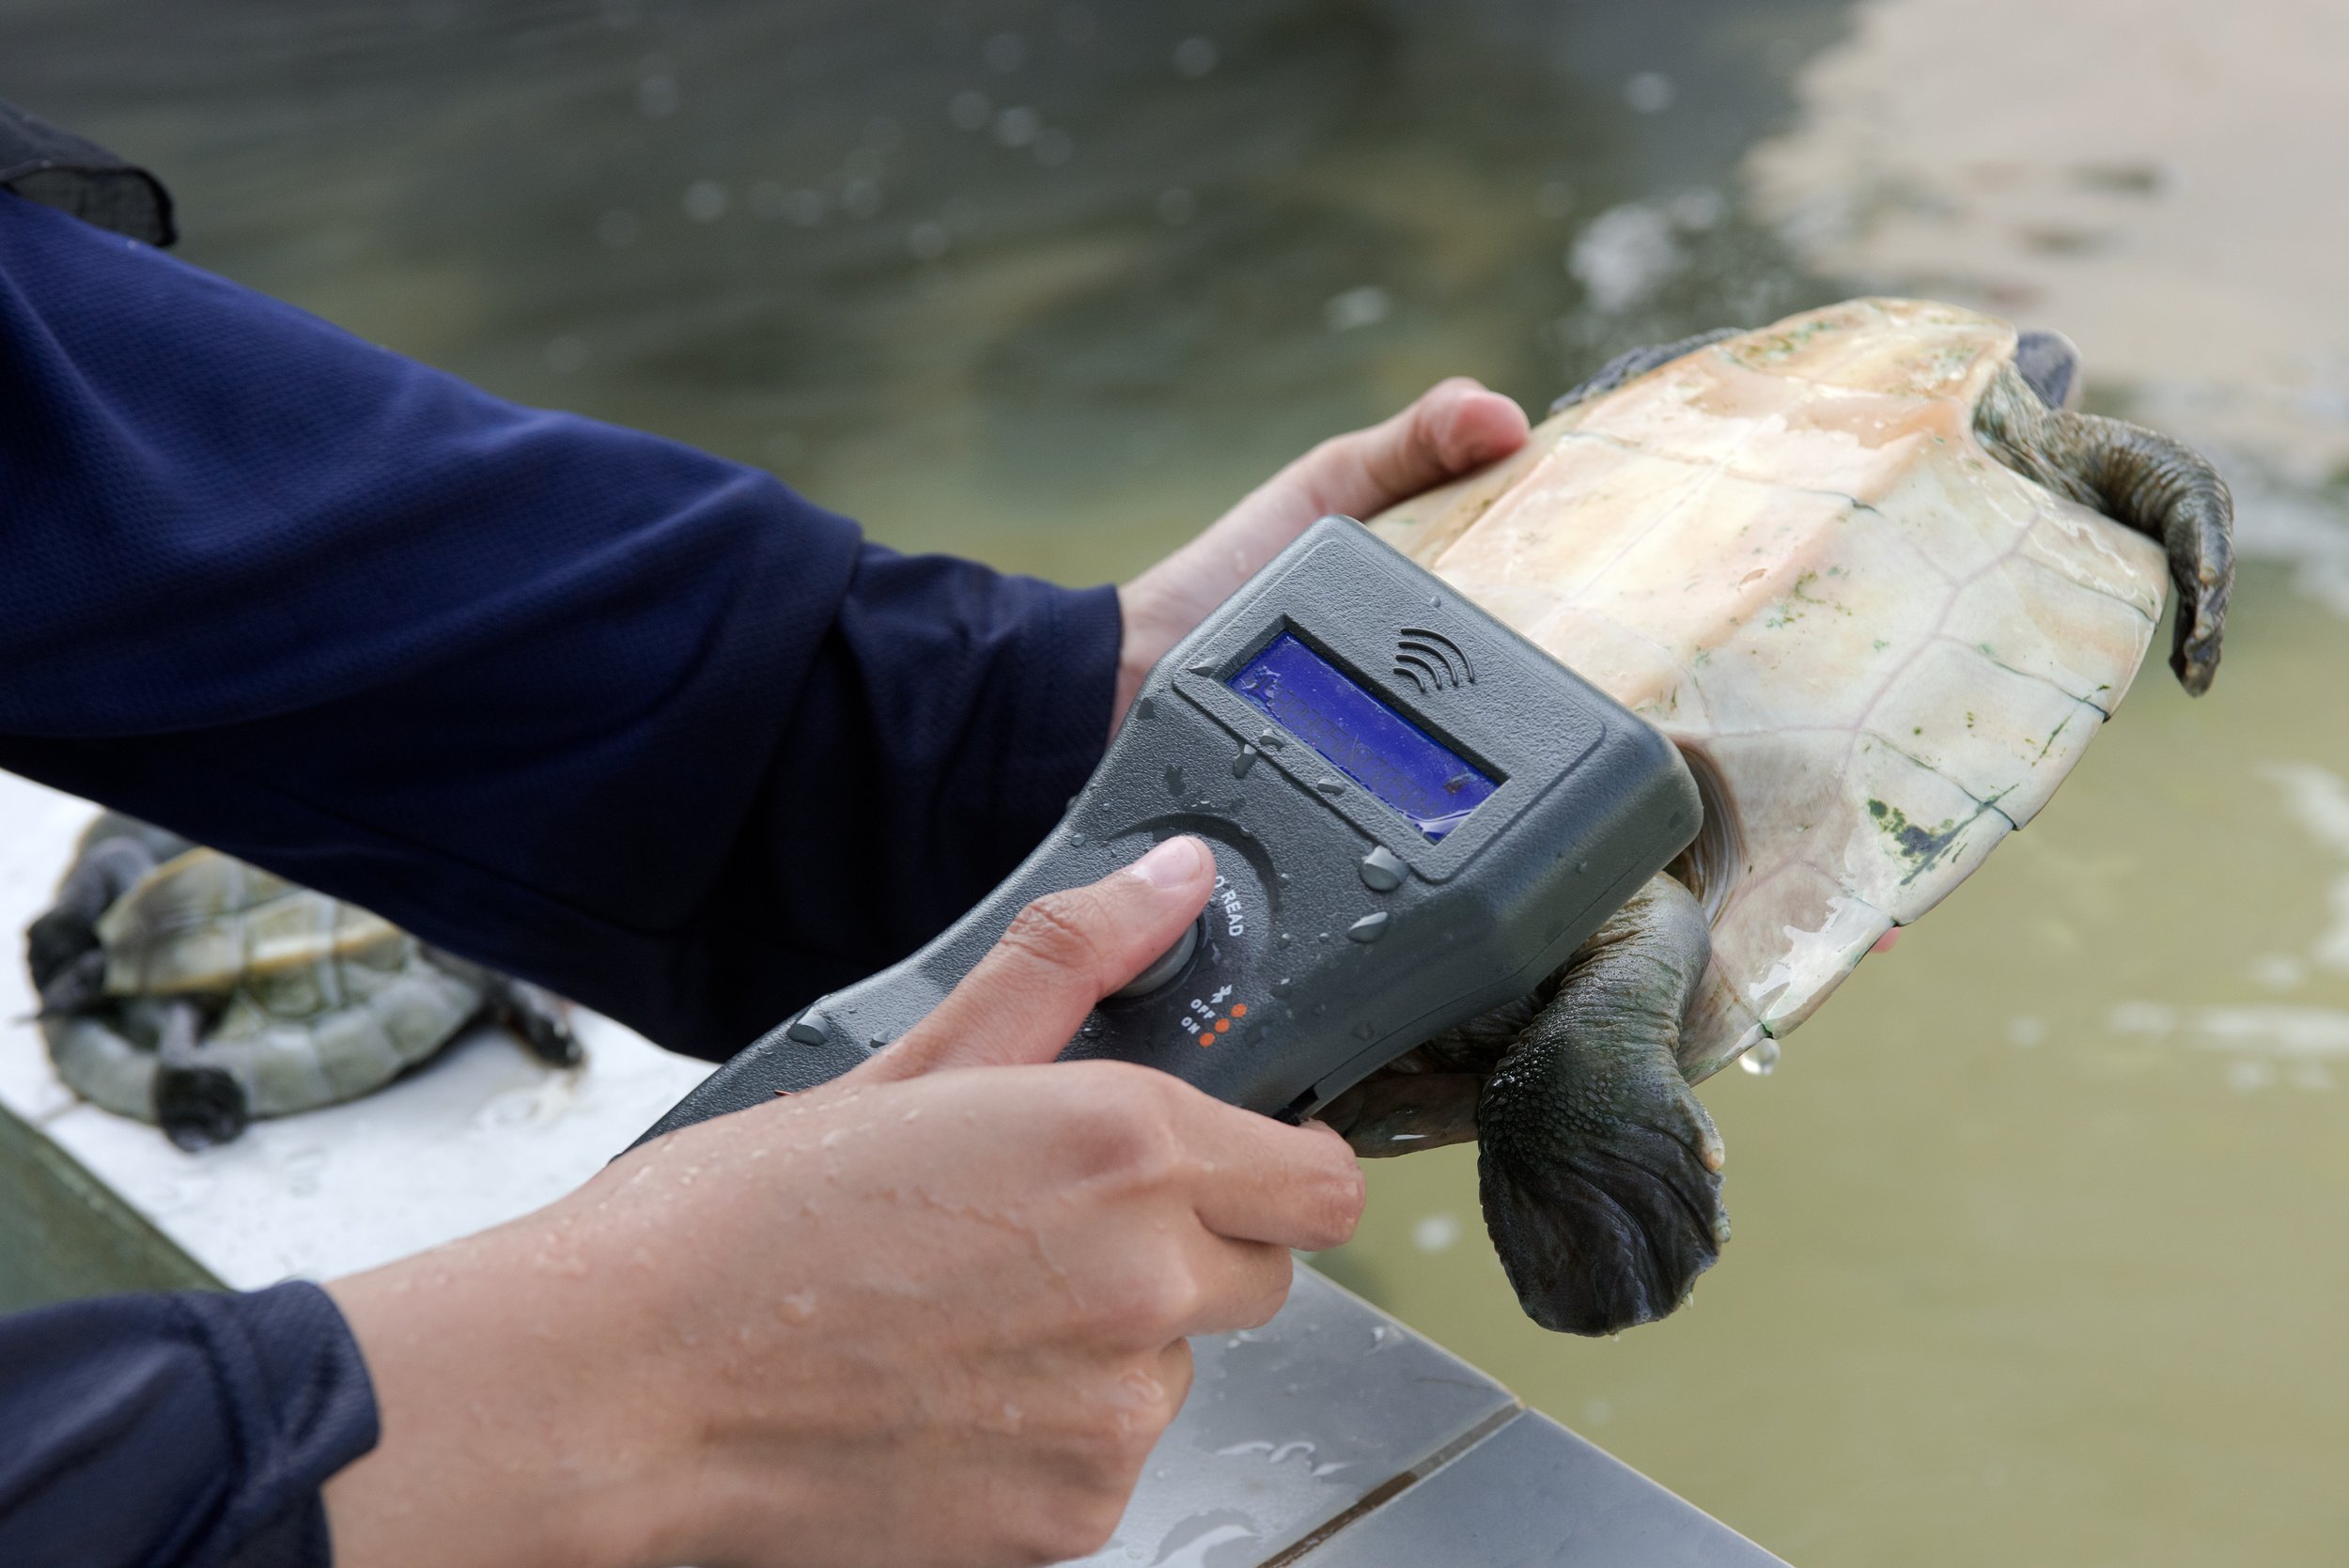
[2039, 1226]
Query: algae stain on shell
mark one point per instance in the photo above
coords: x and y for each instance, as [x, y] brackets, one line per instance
[1921, 847]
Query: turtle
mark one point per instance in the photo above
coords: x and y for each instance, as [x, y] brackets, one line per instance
[185, 987]
[1881, 581]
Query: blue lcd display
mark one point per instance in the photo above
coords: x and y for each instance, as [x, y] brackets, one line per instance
[1362, 737]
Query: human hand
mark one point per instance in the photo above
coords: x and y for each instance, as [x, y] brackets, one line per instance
[1455, 425]
[933, 1312]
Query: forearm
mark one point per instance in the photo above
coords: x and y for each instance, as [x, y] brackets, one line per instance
[571, 700]
[497, 1372]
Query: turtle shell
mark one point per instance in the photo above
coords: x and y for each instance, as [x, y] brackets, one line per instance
[1879, 647]
[320, 1001]
[202, 923]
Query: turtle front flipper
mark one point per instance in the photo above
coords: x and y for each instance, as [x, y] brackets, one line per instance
[1601, 1172]
[61, 946]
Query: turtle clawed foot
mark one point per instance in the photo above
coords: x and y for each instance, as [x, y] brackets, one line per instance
[73, 985]
[1609, 1226]
[540, 1017]
[1601, 1171]
[197, 1104]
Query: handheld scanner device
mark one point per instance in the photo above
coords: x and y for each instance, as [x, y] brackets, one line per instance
[1416, 815]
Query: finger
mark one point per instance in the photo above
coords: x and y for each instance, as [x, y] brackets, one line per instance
[1062, 954]
[1262, 1180]
[1240, 1284]
[1172, 1366]
[1455, 426]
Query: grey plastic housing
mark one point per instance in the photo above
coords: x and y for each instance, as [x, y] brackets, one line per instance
[1321, 957]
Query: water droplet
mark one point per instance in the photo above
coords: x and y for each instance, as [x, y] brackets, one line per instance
[1649, 93]
[969, 110]
[706, 201]
[1004, 52]
[656, 96]
[926, 241]
[1018, 126]
[1436, 1232]
[1195, 58]
[1364, 306]
[619, 228]
[1761, 1058]
[2280, 971]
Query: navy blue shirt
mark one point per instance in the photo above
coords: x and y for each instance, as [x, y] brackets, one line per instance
[590, 707]
[188, 1430]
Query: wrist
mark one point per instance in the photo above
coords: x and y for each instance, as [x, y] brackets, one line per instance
[507, 1433]
[1149, 627]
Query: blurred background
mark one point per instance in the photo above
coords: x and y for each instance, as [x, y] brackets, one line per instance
[2042, 1225]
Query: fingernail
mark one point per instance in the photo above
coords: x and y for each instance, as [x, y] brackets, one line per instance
[1171, 864]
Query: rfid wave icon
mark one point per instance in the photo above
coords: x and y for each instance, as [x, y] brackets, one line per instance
[1431, 661]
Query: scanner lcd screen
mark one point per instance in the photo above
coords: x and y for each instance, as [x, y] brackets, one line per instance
[1362, 737]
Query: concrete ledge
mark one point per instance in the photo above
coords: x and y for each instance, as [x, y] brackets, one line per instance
[482, 1133]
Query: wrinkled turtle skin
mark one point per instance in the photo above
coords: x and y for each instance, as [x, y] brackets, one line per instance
[1881, 583]
[189, 989]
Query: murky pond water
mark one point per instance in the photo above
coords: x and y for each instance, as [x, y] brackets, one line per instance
[2043, 1226]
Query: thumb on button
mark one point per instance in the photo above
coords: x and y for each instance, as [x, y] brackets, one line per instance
[1062, 954]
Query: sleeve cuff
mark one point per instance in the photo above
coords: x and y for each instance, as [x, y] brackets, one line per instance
[1068, 678]
[300, 1407]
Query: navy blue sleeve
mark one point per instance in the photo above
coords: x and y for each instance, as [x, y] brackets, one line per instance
[593, 708]
[185, 1431]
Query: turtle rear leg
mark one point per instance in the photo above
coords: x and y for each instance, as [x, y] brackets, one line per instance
[197, 1103]
[1601, 1172]
[538, 1015]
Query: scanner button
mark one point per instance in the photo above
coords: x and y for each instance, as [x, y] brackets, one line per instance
[1369, 929]
[1165, 967]
[1383, 870]
[806, 1029]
